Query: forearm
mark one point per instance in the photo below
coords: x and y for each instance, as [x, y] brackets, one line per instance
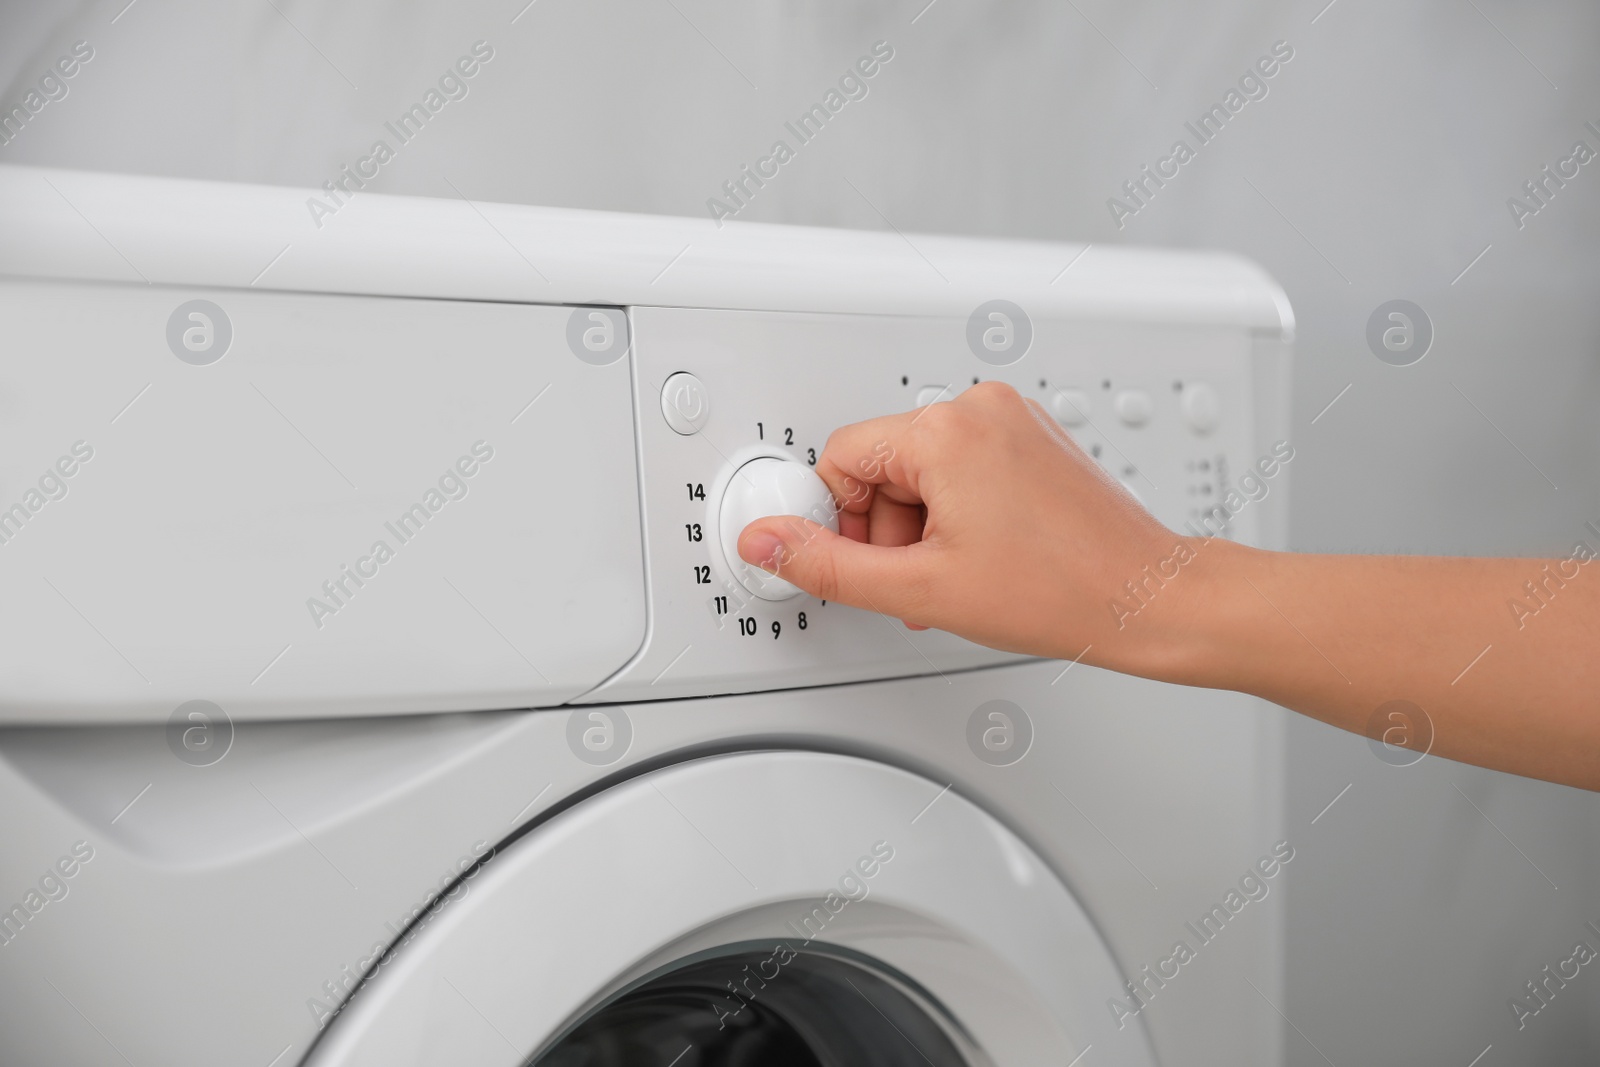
[982, 517]
[1338, 637]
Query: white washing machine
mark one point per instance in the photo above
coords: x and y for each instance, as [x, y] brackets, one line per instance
[378, 684]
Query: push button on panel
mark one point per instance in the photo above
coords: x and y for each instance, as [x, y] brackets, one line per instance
[685, 403]
[1070, 407]
[932, 394]
[1133, 407]
[1202, 408]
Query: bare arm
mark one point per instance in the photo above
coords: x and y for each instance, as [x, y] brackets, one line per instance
[981, 517]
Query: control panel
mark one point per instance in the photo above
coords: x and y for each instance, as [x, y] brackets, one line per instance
[582, 466]
[734, 409]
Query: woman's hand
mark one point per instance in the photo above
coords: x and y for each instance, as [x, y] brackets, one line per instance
[980, 516]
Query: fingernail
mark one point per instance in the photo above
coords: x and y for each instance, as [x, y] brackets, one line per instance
[762, 549]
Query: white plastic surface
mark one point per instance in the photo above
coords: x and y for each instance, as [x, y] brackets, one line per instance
[354, 510]
[1202, 407]
[961, 907]
[782, 382]
[211, 566]
[1133, 407]
[309, 847]
[226, 234]
[763, 487]
[685, 404]
[1070, 407]
[305, 850]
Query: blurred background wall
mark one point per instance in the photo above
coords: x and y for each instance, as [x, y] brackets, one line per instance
[1378, 166]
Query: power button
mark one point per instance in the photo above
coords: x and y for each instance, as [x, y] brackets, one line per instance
[685, 403]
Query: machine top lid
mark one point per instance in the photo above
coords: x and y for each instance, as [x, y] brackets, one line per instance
[118, 227]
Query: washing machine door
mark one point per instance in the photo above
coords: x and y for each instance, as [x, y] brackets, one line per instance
[768, 908]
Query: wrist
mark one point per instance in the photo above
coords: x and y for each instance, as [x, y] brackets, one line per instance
[1203, 636]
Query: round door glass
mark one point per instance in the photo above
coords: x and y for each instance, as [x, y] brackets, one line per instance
[768, 1007]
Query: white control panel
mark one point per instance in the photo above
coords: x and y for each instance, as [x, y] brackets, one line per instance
[735, 407]
[201, 483]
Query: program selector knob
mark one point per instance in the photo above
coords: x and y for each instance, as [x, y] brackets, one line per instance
[770, 486]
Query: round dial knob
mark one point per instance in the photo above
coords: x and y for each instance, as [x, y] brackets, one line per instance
[770, 486]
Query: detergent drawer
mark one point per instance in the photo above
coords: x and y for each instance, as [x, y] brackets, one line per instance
[302, 504]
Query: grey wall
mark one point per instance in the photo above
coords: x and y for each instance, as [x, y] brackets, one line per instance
[1377, 167]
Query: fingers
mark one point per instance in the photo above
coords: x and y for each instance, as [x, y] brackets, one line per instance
[885, 522]
[882, 472]
[1050, 426]
[891, 523]
[865, 457]
[887, 579]
[893, 456]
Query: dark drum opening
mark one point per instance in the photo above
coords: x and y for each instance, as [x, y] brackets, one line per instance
[764, 1008]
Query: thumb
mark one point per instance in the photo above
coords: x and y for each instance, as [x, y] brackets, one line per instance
[881, 578]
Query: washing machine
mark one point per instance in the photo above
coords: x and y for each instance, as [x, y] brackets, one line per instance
[379, 683]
